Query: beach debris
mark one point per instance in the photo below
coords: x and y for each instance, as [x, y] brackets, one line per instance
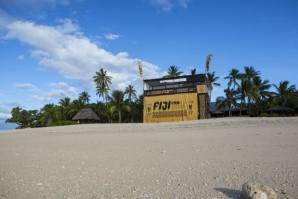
[254, 190]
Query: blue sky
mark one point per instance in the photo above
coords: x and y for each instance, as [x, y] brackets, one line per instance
[50, 49]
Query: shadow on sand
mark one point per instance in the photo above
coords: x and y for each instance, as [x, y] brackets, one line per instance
[231, 193]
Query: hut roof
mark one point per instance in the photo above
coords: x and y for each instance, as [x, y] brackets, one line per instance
[217, 112]
[86, 114]
[279, 109]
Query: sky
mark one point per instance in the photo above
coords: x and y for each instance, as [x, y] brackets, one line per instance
[51, 49]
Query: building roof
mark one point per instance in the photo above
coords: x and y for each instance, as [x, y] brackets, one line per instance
[213, 108]
[181, 80]
[86, 114]
[279, 109]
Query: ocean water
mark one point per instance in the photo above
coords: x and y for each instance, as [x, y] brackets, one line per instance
[7, 126]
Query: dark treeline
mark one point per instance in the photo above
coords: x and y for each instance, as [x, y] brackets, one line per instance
[245, 90]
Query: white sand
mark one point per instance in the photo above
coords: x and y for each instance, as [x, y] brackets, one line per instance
[197, 159]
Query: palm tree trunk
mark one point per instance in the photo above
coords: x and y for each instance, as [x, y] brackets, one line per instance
[241, 108]
[119, 113]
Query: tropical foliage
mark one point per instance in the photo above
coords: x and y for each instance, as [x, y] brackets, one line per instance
[249, 92]
[173, 71]
[212, 82]
[245, 91]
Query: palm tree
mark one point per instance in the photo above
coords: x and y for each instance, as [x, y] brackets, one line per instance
[75, 107]
[64, 102]
[193, 71]
[233, 77]
[102, 91]
[242, 92]
[117, 103]
[249, 74]
[102, 81]
[212, 81]
[131, 92]
[48, 113]
[85, 97]
[64, 108]
[285, 93]
[259, 91]
[227, 101]
[173, 71]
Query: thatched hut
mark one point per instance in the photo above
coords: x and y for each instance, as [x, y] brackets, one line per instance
[86, 116]
[280, 110]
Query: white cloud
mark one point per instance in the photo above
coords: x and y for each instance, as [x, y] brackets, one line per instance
[6, 107]
[183, 3]
[21, 57]
[112, 36]
[67, 51]
[59, 91]
[36, 3]
[25, 87]
[168, 5]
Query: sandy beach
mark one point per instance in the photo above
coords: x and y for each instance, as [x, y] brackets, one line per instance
[196, 159]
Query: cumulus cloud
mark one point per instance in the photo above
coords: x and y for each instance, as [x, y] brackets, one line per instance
[58, 91]
[168, 5]
[21, 57]
[25, 87]
[112, 36]
[183, 3]
[35, 3]
[64, 49]
[6, 107]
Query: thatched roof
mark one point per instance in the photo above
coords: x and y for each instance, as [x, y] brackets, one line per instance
[217, 112]
[280, 109]
[86, 114]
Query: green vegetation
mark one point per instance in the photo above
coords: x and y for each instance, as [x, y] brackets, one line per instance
[120, 106]
[173, 71]
[246, 91]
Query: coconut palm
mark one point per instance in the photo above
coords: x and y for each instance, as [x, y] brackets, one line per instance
[117, 103]
[227, 101]
[193, 71]
[49, 114]
[75, 107]
[285, 93]
[212, 81]
[102, 91]
[64, 108]
[241, 91]
[249, 74]
[102, 81]
[259, 91]
[173, 71]
[85, 97]
[233, 77]
[131, 92]
[65, 102]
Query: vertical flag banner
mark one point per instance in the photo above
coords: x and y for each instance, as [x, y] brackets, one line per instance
[208, 60]
[140, 69]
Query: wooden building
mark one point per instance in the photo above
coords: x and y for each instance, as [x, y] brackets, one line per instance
[173, 99]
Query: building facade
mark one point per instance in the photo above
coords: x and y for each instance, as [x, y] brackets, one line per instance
[174, 99]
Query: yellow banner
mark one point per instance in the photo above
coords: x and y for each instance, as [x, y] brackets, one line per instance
[140, 69]
[171, 108]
